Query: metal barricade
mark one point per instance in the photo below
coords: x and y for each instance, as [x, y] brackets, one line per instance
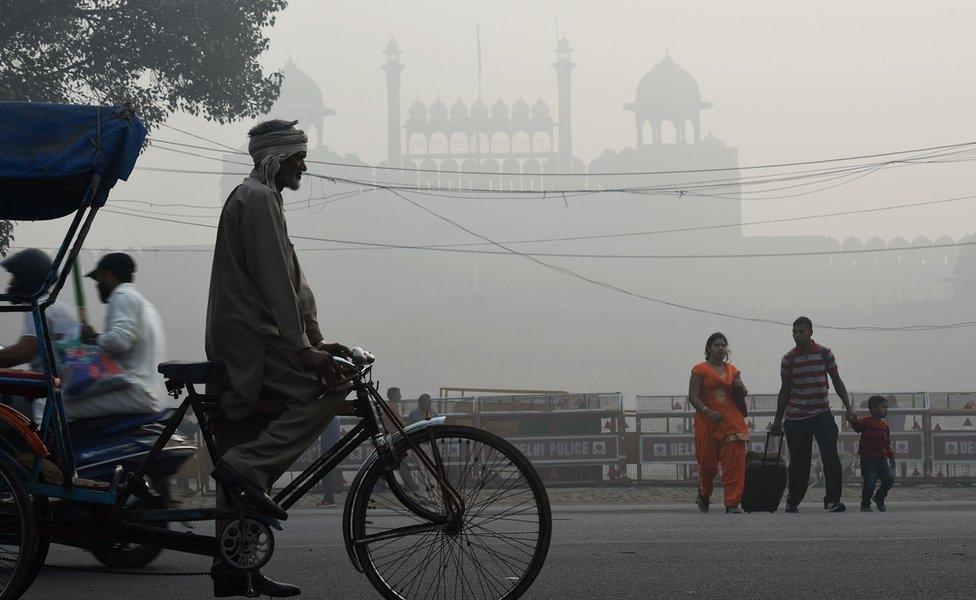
[569, 438]
[666, 436]
[953, 436]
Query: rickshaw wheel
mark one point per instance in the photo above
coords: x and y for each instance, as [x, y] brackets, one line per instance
[130, 556]
[42, 510]
[18, 535]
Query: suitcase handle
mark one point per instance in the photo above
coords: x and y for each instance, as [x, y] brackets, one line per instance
[779, 451]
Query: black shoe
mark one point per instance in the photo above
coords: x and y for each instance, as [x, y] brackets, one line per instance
[227, 476]
[232, 582]
[879, 502]
[702, 503]
[866, 508]
[835, 507]
[792, 507]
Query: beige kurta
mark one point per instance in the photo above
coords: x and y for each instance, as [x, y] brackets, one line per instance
[261, 309]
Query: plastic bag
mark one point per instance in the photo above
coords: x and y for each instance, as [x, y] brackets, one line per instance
[87, 370]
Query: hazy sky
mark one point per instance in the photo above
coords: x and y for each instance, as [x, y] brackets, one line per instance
[789, 82]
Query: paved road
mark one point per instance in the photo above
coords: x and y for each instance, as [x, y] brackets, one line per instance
[916, 550]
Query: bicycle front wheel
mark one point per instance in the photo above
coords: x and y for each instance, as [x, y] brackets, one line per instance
[505, 526]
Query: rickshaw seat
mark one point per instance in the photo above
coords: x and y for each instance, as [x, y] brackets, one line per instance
[30, 384]
[192, 372]
[116, 423]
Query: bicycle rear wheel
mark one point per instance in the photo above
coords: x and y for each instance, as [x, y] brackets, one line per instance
[504, 532]
[18, 535]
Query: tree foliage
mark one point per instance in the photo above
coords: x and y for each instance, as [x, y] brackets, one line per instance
[159, 56]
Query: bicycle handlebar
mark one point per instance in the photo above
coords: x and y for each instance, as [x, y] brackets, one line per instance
[360, 359]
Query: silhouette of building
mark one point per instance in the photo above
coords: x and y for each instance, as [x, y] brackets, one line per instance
[667, 115]
[515, 147]
[447, 144]
[564, 69]
[667, 94]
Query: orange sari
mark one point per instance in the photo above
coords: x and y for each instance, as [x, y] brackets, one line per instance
[723, 442]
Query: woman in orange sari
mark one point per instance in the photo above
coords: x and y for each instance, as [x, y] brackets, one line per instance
[720, 429]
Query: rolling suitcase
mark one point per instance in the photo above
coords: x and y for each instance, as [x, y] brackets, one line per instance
[765, 480]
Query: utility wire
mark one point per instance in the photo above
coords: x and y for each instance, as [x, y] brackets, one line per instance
[620, 173]
[682, 188]
[619, 289]
[462, 247]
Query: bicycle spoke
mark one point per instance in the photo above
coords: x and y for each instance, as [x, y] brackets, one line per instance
[501, 529]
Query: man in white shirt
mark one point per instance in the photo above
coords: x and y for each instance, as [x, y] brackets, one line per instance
[133, 337]
[28, 271]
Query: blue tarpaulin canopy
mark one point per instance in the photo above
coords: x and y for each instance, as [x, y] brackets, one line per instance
[50, 154]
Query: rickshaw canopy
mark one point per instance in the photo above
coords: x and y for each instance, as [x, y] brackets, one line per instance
[51, 154]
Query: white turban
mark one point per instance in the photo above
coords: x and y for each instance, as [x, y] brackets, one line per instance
[269, 149]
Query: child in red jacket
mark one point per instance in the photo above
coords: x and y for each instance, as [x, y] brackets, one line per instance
[877, 459]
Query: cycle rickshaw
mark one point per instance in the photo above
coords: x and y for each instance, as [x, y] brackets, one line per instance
[436, 511]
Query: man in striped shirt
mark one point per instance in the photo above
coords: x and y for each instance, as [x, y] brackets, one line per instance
[803, 412]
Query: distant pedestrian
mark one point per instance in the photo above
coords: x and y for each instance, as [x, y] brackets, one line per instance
[805, 408]
[877, 459]
[329, 438]
[720, 427]
[423, 412]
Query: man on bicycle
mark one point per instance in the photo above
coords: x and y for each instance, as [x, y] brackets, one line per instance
[279, 391]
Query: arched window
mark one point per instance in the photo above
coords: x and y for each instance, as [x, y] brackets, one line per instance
[541, 142]
[647, 132]
[459, 143]
[531, 169]
[438, 143]
[417, 144]
[500, 143]
[521, 143]
[669, 134]
[467, 179]
[449, 176]
[513, 181]
[491, 166]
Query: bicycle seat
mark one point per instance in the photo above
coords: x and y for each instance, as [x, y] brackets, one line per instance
[192, 372]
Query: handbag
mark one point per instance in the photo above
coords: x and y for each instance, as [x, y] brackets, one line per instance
[86, 370]
[739, 397]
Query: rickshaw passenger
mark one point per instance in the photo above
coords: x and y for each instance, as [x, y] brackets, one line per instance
[262, 324]
[133, 337]
[28, 269]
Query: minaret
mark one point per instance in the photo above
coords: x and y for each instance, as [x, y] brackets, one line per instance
[394, 154]
[564, 68]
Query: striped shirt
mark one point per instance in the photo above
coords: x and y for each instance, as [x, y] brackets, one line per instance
[875, 438]
[806, 376]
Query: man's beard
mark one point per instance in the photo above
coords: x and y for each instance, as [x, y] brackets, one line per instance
[294, 183]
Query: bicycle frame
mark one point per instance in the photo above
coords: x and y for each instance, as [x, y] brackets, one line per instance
[369, 407]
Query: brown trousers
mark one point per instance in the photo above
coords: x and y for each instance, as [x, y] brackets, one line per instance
[263, 445]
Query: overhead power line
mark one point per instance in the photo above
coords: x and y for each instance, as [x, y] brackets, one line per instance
[685, 307]
[465, 248]
[619, 289]
[622, 173]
